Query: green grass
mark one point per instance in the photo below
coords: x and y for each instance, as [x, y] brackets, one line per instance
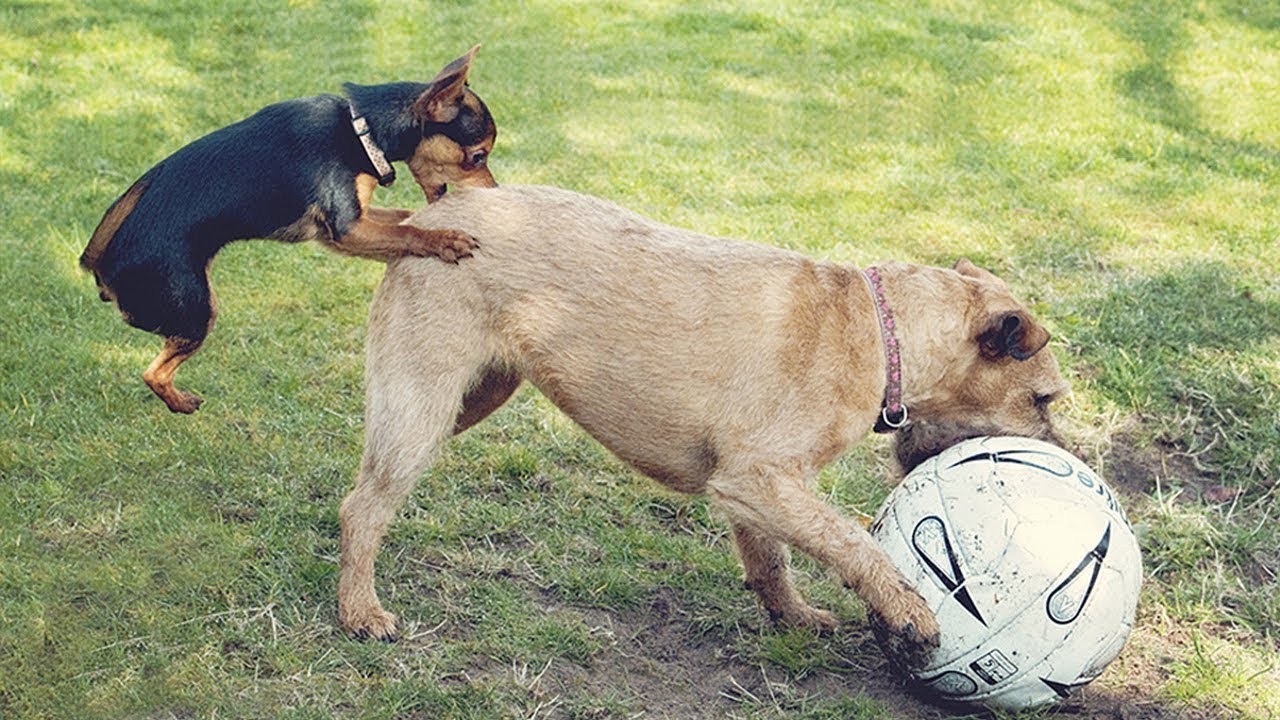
[1117, 161]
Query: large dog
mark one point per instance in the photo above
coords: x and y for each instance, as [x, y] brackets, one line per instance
[711, 365]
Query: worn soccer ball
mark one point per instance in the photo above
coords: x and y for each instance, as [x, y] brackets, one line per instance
[1027, 559]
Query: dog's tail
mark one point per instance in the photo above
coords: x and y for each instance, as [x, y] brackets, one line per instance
[111, 222]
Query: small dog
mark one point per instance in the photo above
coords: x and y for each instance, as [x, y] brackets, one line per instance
[711, 365]
[297, 170]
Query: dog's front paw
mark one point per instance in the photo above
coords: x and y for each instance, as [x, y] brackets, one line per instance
[448, 245]
[910, 633]
[371, 624]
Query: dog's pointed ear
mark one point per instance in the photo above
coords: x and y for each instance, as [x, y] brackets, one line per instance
[439, 104]
[1012, 334]
[966, 268]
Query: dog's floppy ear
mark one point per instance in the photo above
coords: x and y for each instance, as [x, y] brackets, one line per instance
[1012, 334]
[439, 104]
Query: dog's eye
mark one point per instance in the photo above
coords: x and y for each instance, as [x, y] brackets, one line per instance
[478, 158]
[1043, 400]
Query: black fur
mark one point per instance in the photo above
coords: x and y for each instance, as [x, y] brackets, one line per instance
[253, 179]
[389, 109]
[250, 179]
[397, 131]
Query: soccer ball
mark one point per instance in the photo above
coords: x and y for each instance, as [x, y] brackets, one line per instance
[1028, 561]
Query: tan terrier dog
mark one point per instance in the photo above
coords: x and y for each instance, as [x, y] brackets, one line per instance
[713, 366]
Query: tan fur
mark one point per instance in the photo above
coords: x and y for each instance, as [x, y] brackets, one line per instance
[377, 234]
[106, 230]
[159, 374]
[438, 161]
[110, 223]
[714, 366]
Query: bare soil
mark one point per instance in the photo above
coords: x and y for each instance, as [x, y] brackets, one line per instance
[658, 663]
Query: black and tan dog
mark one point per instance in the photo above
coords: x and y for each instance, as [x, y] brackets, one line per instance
[297, 170]
[713, 366]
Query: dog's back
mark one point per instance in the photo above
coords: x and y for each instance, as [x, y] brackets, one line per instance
[586, 299]
[245, 180]
[550, 231]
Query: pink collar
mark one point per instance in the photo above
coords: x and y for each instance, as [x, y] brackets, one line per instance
[893, 414]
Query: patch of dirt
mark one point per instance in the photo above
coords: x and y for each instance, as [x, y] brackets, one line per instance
[659, 664]
[1139, 470]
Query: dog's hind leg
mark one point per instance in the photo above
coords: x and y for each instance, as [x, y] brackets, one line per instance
[416, 377]
[767, 565]
[772, 502]
[176, 304]
[159, 374]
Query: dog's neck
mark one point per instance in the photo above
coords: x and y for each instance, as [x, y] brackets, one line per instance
[388, 108]
[386, 173]
[933, 335]
[893, 412]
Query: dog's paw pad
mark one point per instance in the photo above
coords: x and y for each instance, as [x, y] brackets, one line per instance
[184, 402]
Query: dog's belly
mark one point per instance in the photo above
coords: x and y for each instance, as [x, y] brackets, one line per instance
[668, 438]
[683, 468]
[676, 401]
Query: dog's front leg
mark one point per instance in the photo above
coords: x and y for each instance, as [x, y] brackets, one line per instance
[388, 216]
[415, 380]
[372, 239]
[364, 515]
[377, 233]
[772, 503]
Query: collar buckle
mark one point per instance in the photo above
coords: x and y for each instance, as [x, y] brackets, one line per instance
[892, 422]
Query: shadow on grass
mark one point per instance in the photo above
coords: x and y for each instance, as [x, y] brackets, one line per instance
[1160, 31]
[1257, 14]
[1176, 346]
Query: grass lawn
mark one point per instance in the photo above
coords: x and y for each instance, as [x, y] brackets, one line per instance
[1117, 161]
